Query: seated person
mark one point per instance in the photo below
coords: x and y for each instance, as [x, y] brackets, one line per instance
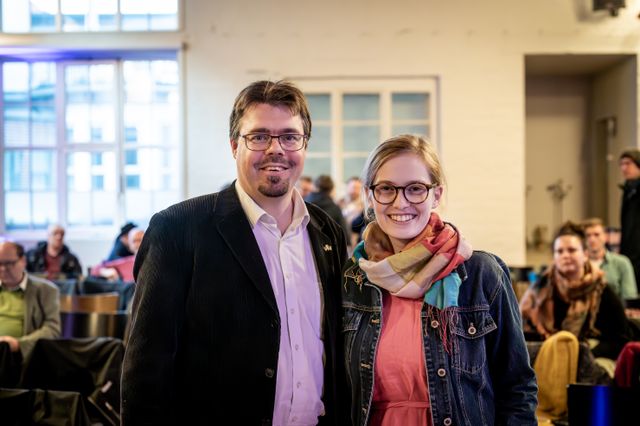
[573, 296]
[122, 268]
[121, 244]
[52, 258]
[352, 206]
[323, 199]
[29, 306]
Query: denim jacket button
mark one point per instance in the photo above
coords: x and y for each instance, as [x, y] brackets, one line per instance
[442, 372]
[269, 372]
[434, 324]
[472, 330]
[447, 421]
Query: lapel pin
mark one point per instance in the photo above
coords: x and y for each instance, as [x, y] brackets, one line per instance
[327, 247]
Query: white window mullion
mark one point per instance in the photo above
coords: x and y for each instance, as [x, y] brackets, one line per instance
[385, 115]
[337, 139]
[62, 147]
[120, 139]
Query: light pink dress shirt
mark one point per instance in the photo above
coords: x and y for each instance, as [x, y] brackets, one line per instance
[296, 286]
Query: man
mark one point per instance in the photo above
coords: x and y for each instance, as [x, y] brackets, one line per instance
[617, 268]
[352, 207]
[237, 306]
[323, 199]
[29, 306]
[305, 186]
[121, 244]
[53, 258]
[630, 213]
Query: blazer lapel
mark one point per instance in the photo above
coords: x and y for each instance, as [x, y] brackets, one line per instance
[236, 232]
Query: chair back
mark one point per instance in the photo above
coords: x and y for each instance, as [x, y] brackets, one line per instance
[101, 302]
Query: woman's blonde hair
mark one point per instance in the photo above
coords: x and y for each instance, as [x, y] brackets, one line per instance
[399, 145]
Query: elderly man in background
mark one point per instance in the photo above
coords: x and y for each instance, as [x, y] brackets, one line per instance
[53, 258]
[29, 306]
[617, 268]
[121, 268]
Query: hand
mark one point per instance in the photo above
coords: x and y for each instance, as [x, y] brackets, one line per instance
[14, 345]
[110, 274]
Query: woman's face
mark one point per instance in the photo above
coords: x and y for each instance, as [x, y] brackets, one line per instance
[569, 256]
[401, 220]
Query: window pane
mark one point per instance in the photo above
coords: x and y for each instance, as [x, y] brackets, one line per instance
[16, 170]
[43, 125]
[15, 81]
[78, 124]
[319, 107]
[89, 15]
[16, 125]
[91, 181]
[43, 81]
[43, 15]
[18, 210]
[140, 15]
[412, 129]
[43, 171]
[361, 138]
[353, 166]
[16, 16]
[361, 107]
[406, 106]
[320, 139]
[317, 166]
[137, 119]
[45, 208]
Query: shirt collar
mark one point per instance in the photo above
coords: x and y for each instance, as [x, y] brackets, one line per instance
[256, 213]
[21, 286]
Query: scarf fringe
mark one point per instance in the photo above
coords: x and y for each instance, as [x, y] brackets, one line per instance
[447, 321]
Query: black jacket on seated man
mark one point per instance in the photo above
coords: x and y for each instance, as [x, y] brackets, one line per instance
[69, 264]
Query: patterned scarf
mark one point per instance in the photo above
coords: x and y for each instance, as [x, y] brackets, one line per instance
[583, 297]
[423, 269]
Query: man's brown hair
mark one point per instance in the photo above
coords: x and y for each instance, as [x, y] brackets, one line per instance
[279, 93]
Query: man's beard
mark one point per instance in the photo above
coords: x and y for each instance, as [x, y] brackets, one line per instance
[276, 187]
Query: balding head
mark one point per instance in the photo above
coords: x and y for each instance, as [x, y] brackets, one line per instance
[12, 263]
[135, 239]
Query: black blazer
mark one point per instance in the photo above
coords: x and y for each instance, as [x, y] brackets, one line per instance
[205, 331]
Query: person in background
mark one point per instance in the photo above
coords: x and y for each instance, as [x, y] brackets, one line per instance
[630, 212]
[52, 258]
[431, 328]
[121, 268]
[617, 268]
[236, 314]
[305, 186]
[29, 306]
[573, 296]
[121, 244]
[352, 207]
[323, 199]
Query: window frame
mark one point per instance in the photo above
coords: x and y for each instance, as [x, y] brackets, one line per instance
[385, 87]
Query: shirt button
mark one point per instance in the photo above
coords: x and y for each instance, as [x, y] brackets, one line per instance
[298, 385]
[435, 324]
[296, 347]
[269, 372]
[294, 419]
[292, 311]
[447, 421]
[442, 372]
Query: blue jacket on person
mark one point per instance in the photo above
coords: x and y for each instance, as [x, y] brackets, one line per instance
[484, 379]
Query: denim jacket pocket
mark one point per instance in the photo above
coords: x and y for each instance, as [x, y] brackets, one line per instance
[350, 322]
[469, 340]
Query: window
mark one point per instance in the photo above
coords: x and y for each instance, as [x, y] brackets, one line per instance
[34, 16]
[88, 143]
[350, 118]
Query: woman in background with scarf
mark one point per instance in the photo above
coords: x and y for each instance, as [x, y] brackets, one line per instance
[573, 296]
[431, 328]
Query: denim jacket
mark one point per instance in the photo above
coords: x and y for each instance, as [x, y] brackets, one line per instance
[485, 378]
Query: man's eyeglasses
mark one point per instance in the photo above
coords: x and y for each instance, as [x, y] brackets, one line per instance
[8, 263]
[415, 193]
[262, 141]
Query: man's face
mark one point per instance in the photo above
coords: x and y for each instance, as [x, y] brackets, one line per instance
[135, 239]
[11, 266]
[596, 238]
[305, 187]
[55, 239]
[629, 169]
[353, 189]
[272, 173]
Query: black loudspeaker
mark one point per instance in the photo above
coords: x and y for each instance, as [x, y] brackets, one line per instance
[611, 5]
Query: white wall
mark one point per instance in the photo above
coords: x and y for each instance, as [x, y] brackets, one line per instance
[557, 110]
[475, 48]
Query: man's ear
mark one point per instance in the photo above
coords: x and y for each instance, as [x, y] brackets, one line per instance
[234, 147]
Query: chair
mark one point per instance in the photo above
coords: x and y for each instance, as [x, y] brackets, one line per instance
[93, 285]
[103, 302]
[94, 324]
[42, 407]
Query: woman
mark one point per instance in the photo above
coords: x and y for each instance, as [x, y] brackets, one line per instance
[432, 332]
[573, 296]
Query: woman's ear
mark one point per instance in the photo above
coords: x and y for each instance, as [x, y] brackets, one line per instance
[437, 195]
